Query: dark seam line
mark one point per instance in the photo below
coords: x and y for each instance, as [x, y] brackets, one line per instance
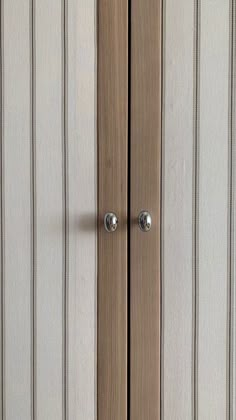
[33, 210]
[129, 218]
[162, 219]
[230, 202]
[65, 197]
[196, 209]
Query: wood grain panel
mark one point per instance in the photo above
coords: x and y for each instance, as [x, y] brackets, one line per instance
[145, 195]
[213, 210]
[112, 196]
[177, 210]
[82, 193]
[50, 209]
[17, 210]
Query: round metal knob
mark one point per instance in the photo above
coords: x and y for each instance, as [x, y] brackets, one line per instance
[110, 222]
[145, 221]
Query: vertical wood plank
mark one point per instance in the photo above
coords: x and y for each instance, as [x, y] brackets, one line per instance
[213, 210]
[50, 206]
[145, 152]
[82, 186]
[177, 210]
[112, 196]
[17, 210]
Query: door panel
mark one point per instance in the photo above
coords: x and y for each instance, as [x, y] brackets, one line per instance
[112, 196]
[48, 210]
[145, 150]
[213, 209]
[178, 210]
[16, 203]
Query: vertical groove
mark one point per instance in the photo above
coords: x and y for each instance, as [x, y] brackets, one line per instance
[162, 213]
[95, 203]
[65, 205]
[2, 217]
[162, 208]
[230, 313]
[196, 210]
[33, 213]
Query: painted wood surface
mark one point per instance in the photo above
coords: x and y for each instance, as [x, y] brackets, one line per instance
[82, 218]
[48, 210]
[17, 212]
[177, 210]
[198, 243]
[213, 203]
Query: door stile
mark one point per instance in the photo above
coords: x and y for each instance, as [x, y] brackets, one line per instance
[112, 197]
[145, 147]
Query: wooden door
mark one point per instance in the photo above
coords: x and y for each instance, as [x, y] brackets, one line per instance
[112, 197]
[182, 272]
[155, 338]
[48, 210]
[145, 191]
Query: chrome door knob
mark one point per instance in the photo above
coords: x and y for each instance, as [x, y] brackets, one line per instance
[110, 222]
[145, 221]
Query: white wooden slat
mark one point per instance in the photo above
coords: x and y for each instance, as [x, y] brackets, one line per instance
[82, 210]
[49, 209]
[177, 211]
[213, 209]
[17, 210]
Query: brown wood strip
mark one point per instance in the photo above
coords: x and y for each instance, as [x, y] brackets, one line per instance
[112, 196]
[145, 195]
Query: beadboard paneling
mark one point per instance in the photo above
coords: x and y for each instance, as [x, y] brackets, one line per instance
[197, 231]
[177, 210]
[48, 210]
[17, 211]
[213, 204]
[82, 188]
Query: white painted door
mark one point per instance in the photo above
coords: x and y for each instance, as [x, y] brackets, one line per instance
[48, 210]
[198, 207]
